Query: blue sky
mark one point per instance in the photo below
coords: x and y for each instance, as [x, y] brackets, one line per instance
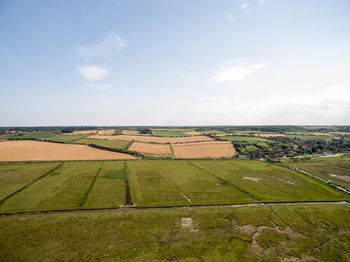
[174, 62]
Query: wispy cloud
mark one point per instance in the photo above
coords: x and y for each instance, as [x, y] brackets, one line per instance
[235, 73]
[93, 73]
[261, 2]
[244, 6]
[229, 17]
[111, 42]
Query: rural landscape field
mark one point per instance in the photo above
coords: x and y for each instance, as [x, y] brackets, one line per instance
[175, 131]
[171, 194]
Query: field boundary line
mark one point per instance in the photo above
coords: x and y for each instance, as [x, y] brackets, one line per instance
[87, 193]
[128, 198]
[134, 208]
[29, 184]
[178, 187]
[172, 151]
[267, 185]
[223, 181]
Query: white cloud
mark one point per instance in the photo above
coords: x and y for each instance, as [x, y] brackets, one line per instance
[235, 73]
[100, 86]
[244, 6]
[112, 42]
[261, 2]
[93, 73]
[229, 17]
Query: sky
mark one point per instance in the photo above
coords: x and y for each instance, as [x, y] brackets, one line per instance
[174, 62]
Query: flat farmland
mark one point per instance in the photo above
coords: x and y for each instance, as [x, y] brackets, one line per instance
[84, 132]
[67, 138]
[335, 169]
[113, 144]
[243, 138]
[269, 135]
[216, 149]
[108, 132]
[130, 132]
[46, 151]
[153, 183]
[258, 233]
[151, 149]
[169, 133]
[153, 139]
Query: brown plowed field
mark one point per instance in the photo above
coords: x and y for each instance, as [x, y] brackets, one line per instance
[107, 132]
[269, 135]
[35, 150]
[151, 148]
[155, 139]
[215, 149]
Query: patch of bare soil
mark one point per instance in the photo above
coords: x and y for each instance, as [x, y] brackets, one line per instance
[215, 149]
[77, 132]
[345, 179]
[319, 134]
[254, 179]
[155, 139]
[151, 148]
[35, 151]
[186, 222]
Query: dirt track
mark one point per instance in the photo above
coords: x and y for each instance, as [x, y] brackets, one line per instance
[155, 139]
[36, 151]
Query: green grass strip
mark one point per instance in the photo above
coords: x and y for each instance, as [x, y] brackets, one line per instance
[223, 181]
[128, 199]
[31, 183]
[87, 193]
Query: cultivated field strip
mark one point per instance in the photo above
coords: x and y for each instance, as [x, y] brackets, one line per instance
[155, 139]
[153, 183]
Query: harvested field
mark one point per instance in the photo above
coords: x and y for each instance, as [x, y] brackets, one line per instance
[269, 135]
[107, 132]
[192, 133]
[35, 151]
[215, 149]
[160, 140]
[130, 132]
[151, 148]
[76, 132]
[319, 134]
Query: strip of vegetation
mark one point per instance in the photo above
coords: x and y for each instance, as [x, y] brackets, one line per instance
[128, 198]
[87, 193]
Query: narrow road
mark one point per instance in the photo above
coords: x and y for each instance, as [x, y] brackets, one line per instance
[322, 180]
[133, 208]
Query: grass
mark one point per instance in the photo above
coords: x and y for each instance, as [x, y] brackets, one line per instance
[114, 144]
[153, 183]
[286, 233]
[326, 168]
[13, 177]
[117, 132]
[66, 138]
[170, 133]
[33, 135]
[243, 138]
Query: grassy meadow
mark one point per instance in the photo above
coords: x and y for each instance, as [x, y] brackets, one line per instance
[249, 139]
[113, 144]
[153, 183]
[262, 233]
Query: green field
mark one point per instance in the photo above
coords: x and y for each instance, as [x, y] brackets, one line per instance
[168, 133]
[335, 169]
[66, 138]
[249, 139]
[275, 233]
[33, 135]
[153, 183]
[114, 144]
